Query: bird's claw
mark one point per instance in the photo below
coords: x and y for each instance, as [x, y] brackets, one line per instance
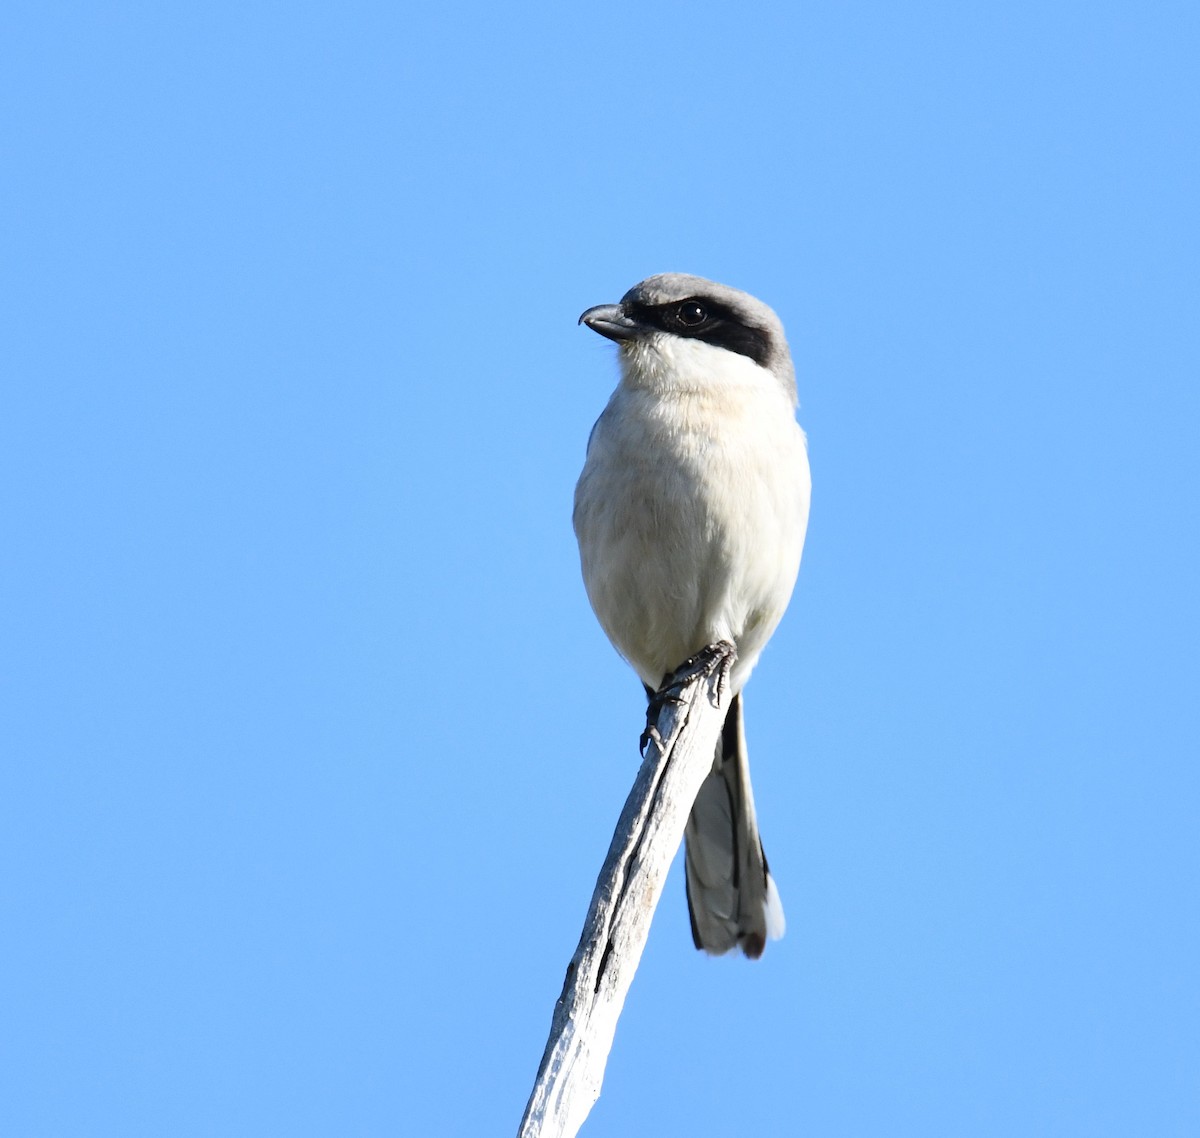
[714, 659]
[717, 657]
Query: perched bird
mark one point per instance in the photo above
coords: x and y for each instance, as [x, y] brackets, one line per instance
[690, 514]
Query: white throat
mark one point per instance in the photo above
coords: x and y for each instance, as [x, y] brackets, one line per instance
[665, 364]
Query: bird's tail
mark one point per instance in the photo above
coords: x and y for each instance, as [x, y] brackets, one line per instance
[732, 899]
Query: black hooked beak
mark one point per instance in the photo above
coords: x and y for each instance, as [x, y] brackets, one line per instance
[610, 320]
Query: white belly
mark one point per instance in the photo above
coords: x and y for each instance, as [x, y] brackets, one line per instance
[691, 513]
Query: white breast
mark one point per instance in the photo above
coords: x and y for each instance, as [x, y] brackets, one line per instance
[692, 506]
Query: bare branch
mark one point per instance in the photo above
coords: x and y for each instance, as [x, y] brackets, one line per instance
[682, 729]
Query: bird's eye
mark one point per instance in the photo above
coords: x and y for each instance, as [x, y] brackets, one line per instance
[692, 314]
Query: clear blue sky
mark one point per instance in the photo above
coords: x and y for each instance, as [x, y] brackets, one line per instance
[311, 745]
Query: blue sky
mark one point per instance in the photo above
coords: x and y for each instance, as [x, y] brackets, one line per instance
[312, 746]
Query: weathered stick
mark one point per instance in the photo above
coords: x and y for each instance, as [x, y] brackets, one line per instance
[682, 728]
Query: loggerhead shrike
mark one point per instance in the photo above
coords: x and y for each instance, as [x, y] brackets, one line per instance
[690, 513]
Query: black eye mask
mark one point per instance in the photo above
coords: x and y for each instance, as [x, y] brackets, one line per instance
[697, 318]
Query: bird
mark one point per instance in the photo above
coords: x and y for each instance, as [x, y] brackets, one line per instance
[690, 514]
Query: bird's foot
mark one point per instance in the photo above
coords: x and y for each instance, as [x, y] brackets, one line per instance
[714, 658]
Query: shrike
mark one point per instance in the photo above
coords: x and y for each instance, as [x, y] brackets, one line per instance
[690, 513]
